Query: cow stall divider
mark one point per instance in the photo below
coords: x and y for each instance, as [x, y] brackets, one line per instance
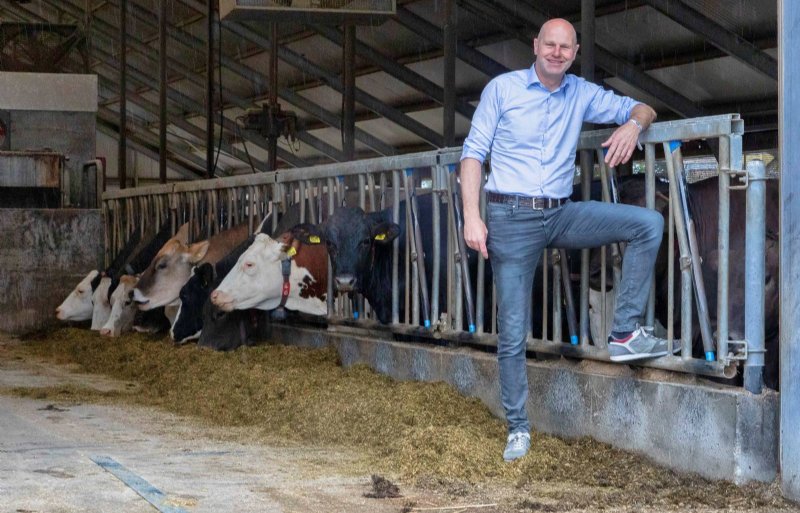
[457, 304]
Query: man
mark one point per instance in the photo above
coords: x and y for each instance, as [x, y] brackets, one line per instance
[530, 121]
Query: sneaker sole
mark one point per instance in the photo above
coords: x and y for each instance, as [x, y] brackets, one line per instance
[637, 356]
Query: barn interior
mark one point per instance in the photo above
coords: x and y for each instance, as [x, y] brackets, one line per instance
[102, 101]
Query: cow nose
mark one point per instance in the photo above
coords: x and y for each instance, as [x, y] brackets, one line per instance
[141, 301]
[345, 282]
[58, 313]
[105, 332]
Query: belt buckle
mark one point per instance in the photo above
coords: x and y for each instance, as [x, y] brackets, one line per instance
[533, 203]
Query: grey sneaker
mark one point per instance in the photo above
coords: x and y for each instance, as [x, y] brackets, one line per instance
[639, 345]
[517, 446]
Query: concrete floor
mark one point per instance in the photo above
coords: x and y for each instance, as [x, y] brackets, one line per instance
[46, 464]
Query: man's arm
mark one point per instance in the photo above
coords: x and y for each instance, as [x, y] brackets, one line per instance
[474, 228]
[623, 141]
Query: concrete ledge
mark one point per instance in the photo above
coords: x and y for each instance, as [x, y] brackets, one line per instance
[679, 421]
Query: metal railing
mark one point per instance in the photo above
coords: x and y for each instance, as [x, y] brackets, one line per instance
[375, 184]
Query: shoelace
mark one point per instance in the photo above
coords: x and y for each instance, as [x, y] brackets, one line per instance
[517, 441]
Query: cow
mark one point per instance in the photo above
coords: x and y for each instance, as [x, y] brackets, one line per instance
[78, 305]
[123, 309]
[160, 284]
[360, 248]
[258, 280]
[703, 203]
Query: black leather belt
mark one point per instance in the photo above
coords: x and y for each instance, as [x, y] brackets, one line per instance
[525, 201]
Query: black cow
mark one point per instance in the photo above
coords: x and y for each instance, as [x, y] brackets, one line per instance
[360, 248]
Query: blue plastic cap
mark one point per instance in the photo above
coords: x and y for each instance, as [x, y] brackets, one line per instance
[472, 328]
[355, 315]
[427, 323]
[710, 356]
[674, 145]
[573, 340]
[409, 171]
[451, 168]
[340, 178]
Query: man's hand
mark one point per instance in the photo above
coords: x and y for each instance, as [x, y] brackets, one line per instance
[475, 233]
[621, 144]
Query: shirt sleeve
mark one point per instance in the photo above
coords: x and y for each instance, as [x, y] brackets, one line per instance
[605, 106]
[478, 143]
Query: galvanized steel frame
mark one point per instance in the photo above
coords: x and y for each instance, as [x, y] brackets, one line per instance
[252, 196]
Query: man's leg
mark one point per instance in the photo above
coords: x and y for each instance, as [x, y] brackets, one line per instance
[594, 224]
[516, 240]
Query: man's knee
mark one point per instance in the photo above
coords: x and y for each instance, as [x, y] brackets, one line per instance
[653, 226]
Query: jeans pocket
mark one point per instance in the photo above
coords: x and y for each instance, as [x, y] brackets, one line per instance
[498, 211]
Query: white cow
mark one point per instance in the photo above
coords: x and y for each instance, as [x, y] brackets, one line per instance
[123, 309]
[256, 281]
[78, 305]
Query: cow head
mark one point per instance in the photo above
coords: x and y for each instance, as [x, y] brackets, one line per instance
[160, 284]
[257, 281]
[189, 320]
[78, 305]
[351, 237]
[123, 309]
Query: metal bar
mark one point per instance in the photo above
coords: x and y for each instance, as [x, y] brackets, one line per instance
[587, 166]
[789, 124]
[209, 86]
[148, 492]
[755, 248]
[727, 160]
[558, 336]
[396, 249]
[685, 255]
[349, 91]
[650, 202]
[727, 41]
[436, 229]
[588, 9]
[480, 289]
[162, 92]
[122, 148]
[450, 43]
[708, 127]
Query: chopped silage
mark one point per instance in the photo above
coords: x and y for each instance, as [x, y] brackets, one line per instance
[425, 432]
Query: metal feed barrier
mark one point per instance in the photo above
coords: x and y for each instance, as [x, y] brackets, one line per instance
[212, 205]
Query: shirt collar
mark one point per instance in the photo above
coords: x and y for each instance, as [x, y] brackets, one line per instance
[533, 79]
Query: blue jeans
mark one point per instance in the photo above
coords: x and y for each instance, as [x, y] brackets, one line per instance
[517, 237]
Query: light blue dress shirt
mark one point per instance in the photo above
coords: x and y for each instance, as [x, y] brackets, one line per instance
[533, 133]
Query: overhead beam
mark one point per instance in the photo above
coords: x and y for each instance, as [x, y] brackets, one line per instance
[727, 41]
[494, 10]
[398, 71]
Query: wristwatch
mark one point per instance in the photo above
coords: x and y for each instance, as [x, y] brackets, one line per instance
[638, 125]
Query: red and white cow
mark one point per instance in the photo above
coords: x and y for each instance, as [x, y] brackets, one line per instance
[257, 279]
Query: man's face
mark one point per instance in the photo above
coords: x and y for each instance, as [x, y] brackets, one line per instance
[555, 51]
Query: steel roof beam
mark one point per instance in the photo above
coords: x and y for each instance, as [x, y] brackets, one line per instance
[398, 71]
[605, 60]
[727, 41]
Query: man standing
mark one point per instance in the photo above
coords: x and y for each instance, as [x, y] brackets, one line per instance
[530, 120]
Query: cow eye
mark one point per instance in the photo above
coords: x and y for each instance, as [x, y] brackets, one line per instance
[128, 302]
[80, 291]
[162, 265]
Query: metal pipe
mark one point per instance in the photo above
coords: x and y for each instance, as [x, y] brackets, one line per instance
[122, 149]
[450, 33]
[348, 91]
[209, 86]
[755, 248]
[272, 139]
[685, 255]
[730, 157]
[480, 289]
[436, 218]
[162, 92]
[650, 202]
[396, 249]
[789, 124]
[587, 166]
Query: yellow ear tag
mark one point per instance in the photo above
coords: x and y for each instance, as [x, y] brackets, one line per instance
[291, 251]
[313, 239]
[380, 236]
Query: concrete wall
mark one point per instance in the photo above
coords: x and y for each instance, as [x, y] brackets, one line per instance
[43, 255]
[679, 421]
[56, 112]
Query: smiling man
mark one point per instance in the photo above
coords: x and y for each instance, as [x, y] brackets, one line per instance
[530, 121]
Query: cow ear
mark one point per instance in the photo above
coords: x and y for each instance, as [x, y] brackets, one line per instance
[307, 233]
[206, 273]
[182, 234]
[197, 251]
[385, 233]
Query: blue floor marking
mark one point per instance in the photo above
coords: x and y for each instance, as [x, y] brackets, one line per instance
[148, 492]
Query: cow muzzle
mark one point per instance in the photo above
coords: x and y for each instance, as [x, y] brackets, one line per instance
[345, 282]
[222, 300]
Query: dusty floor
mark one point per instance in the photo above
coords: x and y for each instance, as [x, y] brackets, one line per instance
[56, 417]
